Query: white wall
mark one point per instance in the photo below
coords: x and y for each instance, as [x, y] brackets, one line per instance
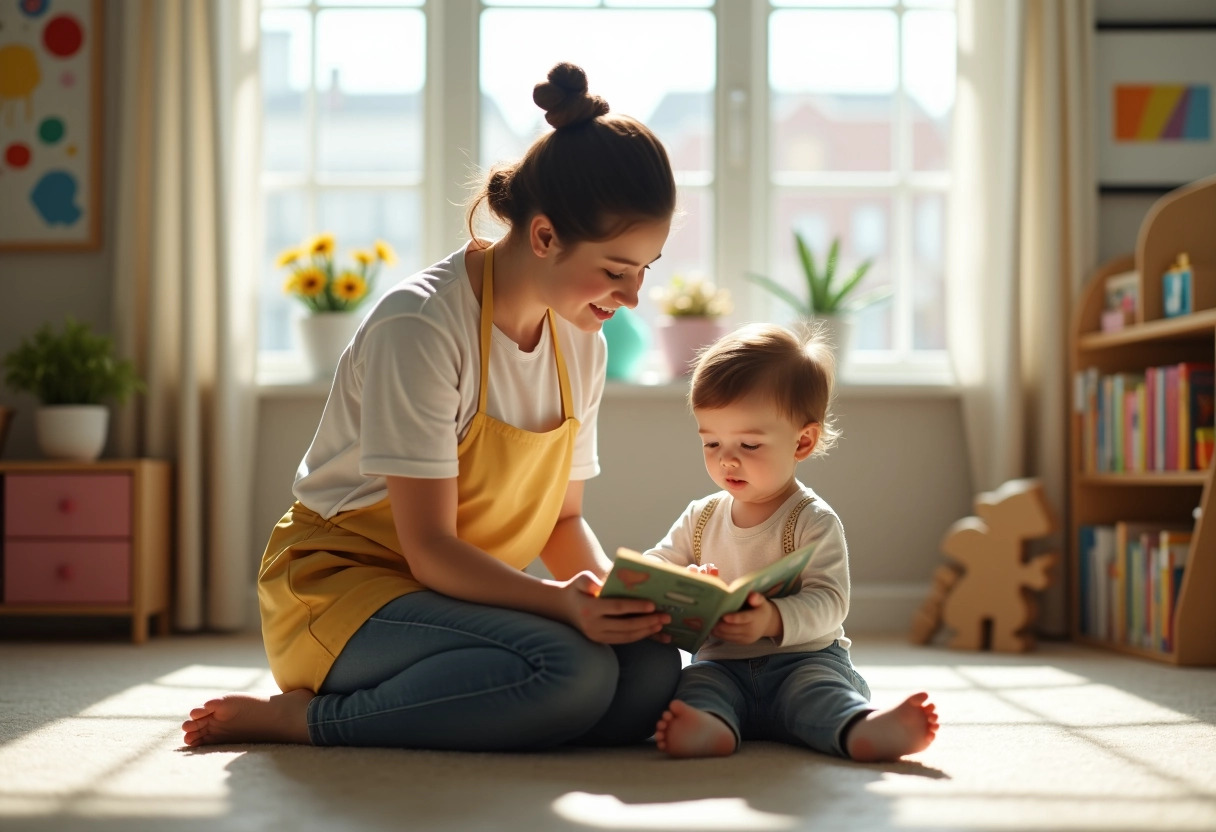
[898, 479]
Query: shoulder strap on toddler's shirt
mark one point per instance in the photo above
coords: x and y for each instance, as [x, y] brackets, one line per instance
[787, 534]
[706, 513]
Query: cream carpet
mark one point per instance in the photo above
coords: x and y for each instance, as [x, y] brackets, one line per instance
[1063, 738]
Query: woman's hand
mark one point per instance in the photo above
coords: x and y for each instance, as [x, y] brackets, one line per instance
[759, 620]
[607, 620]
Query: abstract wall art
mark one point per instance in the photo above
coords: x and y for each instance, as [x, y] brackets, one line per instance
[50, 124]
[1155, 91]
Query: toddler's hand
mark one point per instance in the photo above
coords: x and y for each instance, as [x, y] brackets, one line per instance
[760, 619]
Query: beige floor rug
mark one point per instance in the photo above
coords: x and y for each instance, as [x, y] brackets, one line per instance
[1063, 738]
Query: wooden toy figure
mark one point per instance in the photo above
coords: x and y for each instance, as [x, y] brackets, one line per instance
[989, 605]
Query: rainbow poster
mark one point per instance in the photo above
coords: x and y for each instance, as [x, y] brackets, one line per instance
[1163, 112]
[1153, 87]
[50, 81]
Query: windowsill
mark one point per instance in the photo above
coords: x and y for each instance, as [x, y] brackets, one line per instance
[870, 385]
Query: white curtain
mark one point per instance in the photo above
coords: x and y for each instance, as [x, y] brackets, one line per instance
[1023, 235]
[183, 284]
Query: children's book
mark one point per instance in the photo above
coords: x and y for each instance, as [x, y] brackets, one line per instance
[696, 601]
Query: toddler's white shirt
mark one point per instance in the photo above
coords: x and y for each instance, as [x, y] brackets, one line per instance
[813, 617]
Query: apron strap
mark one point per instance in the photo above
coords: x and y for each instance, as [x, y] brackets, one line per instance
[487, 327]
[563, 378]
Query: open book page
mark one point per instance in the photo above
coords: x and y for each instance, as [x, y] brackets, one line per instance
[696, 601]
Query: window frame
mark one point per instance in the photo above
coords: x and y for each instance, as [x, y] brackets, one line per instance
[743, 186]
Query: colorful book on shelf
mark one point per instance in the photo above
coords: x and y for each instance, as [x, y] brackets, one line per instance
[1175, 548]
[1171, 418]
[1196, 407]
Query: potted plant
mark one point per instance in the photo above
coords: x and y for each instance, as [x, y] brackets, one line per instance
[692, 311]
[827, 300]
[332, 294]
[72, 373]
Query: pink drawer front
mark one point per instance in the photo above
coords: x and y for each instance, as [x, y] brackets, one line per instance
[64, 571]
[67, 505]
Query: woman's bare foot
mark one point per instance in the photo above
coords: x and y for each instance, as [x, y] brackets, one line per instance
[685, 731]
[240, 717]
[888, 735]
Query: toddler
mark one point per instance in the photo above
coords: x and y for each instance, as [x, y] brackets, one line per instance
[778, 669]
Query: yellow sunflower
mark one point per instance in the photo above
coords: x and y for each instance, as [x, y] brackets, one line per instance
[322, 244]
[385, 252]
[310, 282]
[287, 257]
[349, 287]
[363, 257]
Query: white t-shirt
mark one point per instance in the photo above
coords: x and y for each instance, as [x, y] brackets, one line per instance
[405, 391]
[813, 617]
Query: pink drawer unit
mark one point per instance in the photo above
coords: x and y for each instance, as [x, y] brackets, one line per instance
[81, 505]
[67, 571]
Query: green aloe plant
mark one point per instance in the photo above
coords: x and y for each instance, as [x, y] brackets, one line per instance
[72, 367]
[825, 296]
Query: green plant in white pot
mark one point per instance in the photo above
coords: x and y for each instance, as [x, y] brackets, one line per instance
[73, 374]
[828, 299]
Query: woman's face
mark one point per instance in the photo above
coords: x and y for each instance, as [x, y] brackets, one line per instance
[591, 280]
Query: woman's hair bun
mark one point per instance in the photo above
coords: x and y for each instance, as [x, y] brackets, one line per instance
[564, 97]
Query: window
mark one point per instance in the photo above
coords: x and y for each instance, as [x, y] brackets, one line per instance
[669, 90]
[860, 99]
[831, 118]
[342, 138]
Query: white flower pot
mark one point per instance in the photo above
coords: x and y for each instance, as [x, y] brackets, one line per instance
[72, 431]
[323, 336]
[839, 331]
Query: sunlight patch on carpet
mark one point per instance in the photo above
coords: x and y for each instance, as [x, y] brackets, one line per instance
[604, 811]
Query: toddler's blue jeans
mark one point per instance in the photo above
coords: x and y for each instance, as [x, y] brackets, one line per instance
[430, 671]
[797, 698]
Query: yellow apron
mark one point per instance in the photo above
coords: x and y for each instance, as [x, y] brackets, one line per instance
[321, 579]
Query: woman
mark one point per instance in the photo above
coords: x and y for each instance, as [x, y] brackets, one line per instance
[451, 453]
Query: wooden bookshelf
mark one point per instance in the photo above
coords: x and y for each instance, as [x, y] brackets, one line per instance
[1182, 220]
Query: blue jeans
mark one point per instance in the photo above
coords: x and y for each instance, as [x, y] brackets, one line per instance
[797, 698]
[429, 671]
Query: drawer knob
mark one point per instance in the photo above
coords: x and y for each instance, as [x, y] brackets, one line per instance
[67, 505]
[64, 572]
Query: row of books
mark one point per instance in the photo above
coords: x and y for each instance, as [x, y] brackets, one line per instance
[1157, 420]
[1130, 574]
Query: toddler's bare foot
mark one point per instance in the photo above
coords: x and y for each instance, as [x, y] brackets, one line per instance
[685, 731]
[888, 735]
[240, 717]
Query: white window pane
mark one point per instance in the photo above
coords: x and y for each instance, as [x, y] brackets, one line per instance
[670, 90]
[832, 3]
[689, 248]
[371, 66]
[864, 225]
[286, 224]
[370, 2]
[359, 217]
[929, 78]
[286, 56]
[929, 269]
[658, 4]
[833, 79]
